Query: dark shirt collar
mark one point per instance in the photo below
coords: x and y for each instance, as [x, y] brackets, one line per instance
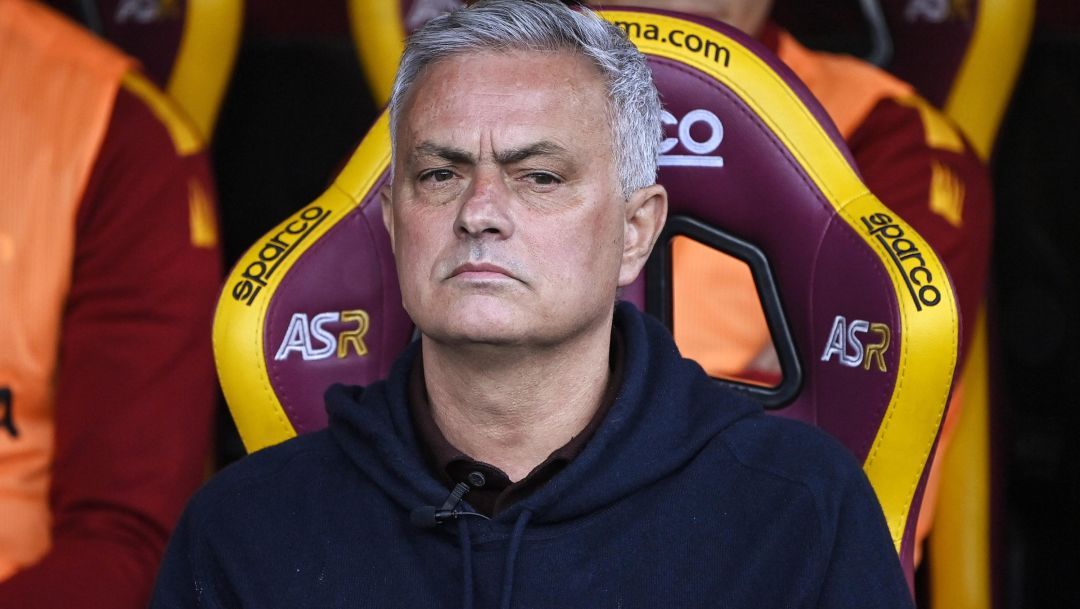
[451, 466]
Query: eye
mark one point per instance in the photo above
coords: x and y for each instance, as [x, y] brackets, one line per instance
[437, 175]
[543, 180]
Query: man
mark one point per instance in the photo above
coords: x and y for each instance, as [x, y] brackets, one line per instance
[598, 468]
[109, 267]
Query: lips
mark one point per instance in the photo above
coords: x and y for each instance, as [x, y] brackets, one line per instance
[482, 269]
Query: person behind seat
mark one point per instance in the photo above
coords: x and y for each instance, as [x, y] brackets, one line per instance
[596, 466]
[109, 268]
[910, 156]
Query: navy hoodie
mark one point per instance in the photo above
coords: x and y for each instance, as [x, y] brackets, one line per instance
[687, 496]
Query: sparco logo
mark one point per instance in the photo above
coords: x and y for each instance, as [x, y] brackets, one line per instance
[274, 251]
[701, 149]
[313, 341]
[907, 257]
[845, 343]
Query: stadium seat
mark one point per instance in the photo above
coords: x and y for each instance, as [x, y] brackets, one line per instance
[861, 310]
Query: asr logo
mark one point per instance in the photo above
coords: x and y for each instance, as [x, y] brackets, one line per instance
[313, 341]
[701, 149]
[845, 342]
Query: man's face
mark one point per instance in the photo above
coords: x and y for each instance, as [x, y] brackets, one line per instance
[747, 15]
[506, 217]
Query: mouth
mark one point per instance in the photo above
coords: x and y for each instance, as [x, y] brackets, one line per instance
[480, 271]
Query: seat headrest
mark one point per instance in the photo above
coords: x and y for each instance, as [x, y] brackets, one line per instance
[862, 307]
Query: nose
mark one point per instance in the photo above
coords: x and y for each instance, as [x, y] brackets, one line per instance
[485, 213]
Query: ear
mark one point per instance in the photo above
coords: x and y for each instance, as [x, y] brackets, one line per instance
[646, 213]
[386, 203]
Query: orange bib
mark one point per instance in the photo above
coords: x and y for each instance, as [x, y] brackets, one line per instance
[58, 85]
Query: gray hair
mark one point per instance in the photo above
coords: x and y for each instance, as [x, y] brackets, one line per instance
[547, 25]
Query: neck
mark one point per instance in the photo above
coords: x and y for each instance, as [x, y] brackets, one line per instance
[513, 406]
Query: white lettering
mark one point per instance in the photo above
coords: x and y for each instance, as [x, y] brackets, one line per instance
[701, 149]
[329, 340]
[845, 343]
[299, 335]
[856, 357]
[836, 345]
[296, 338]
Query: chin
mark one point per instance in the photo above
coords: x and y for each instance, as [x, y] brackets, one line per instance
[476, 322]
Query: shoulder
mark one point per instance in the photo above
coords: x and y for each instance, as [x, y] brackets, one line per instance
[141, 102]
[269, 481]
[151, 172]
[793, 453]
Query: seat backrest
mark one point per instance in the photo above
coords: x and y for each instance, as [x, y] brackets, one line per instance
[187, 47]
[861, 310]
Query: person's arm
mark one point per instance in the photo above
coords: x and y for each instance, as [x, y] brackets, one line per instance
[135, 383]
[915, 161]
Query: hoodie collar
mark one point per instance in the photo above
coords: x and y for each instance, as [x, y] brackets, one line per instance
[664, 412]
[451, 466]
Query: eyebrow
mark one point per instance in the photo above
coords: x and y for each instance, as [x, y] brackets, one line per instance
[504, 157]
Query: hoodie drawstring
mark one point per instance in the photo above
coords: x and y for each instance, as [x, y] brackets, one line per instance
[465, 541]
[511, 557]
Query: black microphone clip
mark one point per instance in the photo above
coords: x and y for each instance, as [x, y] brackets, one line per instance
[427, 516]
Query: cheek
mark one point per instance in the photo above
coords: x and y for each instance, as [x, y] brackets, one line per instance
[413, 257]
[589, 248]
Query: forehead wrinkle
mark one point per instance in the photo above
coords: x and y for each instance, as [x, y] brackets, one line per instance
[521, 153]
[449, 153]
